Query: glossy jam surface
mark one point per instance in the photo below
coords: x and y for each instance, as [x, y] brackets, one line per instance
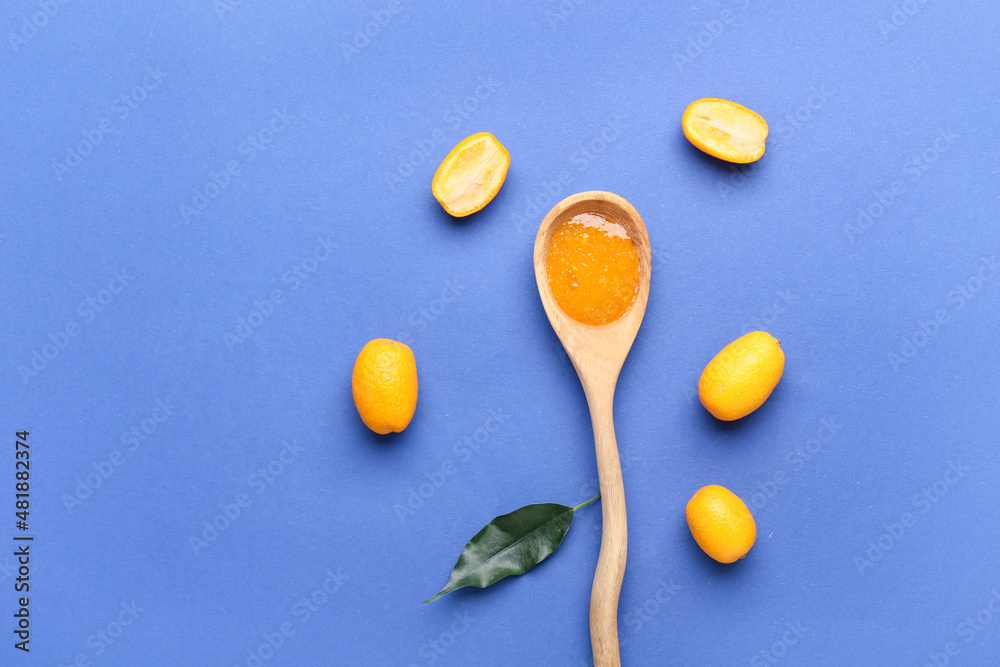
[593, 269]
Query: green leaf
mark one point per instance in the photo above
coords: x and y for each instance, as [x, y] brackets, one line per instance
[511, 544]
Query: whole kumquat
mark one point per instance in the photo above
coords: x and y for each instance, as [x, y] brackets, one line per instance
[721, 523]
[384, 384]
[741, 376]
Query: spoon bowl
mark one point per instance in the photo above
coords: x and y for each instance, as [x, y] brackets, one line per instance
[598, 353]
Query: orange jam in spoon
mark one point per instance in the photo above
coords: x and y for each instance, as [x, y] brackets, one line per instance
[593, 269]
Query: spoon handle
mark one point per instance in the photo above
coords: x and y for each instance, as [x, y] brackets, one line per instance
[614, 537]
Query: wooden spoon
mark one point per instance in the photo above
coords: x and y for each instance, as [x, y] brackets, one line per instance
[597, 354]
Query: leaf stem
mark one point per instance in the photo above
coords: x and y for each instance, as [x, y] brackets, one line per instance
[587, 503]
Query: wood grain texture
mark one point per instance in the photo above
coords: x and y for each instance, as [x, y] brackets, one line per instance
[597, 354]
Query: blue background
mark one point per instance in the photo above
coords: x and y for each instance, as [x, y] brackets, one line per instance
[585, 97]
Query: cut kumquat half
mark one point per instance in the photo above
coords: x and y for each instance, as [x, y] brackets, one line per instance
[471, 174]
[726, 130]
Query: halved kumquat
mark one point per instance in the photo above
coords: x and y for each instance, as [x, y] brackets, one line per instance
[726, 130]
[471, 174]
